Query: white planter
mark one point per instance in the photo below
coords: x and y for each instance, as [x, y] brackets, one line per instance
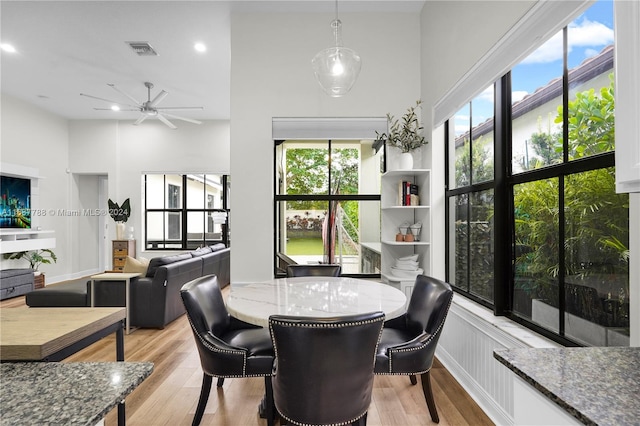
[406, 161]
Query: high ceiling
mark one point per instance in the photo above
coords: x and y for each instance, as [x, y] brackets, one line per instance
[64, 48]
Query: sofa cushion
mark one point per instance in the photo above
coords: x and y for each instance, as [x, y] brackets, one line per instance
[71, 294]
[201, 251]
[139, 265]
[157, 262]
[217, 247]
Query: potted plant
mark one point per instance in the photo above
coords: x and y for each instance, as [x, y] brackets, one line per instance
[120, 214]
[35, 258]
[405, 134]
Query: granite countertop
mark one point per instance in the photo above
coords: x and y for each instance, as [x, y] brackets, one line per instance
[597, 386]
[75, 393]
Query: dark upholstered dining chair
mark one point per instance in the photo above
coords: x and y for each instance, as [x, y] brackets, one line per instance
[313, 270]
[323, 372]
[408, 342]
[228, 347]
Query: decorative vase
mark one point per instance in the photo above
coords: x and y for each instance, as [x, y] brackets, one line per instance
[406, 161]
[119, 230]
[415, 231]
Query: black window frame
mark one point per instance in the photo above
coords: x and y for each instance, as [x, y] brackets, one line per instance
[184, 243]
[503, 186]
[280, 259]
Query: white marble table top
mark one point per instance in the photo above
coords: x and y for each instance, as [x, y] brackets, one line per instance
[313, 296]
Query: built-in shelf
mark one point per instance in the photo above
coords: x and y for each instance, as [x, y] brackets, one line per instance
[406, 243]
[394, 214]
[405, 207]
[15, 240]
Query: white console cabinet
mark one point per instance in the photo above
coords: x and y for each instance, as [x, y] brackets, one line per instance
[15, 240]
[394, 214]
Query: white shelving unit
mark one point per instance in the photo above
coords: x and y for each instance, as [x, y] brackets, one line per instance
[394, 214]
[14, 240]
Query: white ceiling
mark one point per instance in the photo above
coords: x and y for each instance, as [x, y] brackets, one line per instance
[65, 48]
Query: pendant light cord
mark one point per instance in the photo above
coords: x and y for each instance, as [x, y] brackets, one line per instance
[336, 24]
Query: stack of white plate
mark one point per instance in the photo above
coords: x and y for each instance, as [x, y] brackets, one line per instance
[407, 267]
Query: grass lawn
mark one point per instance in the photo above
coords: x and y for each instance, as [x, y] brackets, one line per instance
[304, 246]
[310, 247]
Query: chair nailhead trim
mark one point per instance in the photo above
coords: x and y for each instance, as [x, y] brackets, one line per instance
[214, 349]
[324, 325]
[314, 424]
[437, 332]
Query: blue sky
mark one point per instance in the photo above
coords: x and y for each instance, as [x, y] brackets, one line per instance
[588, 35]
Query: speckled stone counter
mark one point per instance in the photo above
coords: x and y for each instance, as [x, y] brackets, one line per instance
[597, 386]
[77, 393]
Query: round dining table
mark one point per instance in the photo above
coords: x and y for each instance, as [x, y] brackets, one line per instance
[313, 297]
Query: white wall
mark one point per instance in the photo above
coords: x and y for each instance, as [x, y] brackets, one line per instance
[124, 152]
[70, 155]
[271, 76]
[37, 139]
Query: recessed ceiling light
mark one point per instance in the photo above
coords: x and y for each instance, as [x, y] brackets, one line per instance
[7, 48]
[115, 108]
[200, 47]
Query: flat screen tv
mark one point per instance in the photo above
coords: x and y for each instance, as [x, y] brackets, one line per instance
[15, 202]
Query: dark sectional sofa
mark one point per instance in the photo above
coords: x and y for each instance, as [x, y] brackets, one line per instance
[155, 297]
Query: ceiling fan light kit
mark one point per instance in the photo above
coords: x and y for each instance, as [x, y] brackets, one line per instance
[148, 108]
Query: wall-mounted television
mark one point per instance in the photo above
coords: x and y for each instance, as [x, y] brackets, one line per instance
[15, 202]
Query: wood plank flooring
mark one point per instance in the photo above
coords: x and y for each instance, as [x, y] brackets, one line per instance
[170, 395]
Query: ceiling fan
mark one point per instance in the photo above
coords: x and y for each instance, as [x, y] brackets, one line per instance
[148, 108]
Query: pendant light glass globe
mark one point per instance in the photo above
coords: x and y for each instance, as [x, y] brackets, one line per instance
[336, 68]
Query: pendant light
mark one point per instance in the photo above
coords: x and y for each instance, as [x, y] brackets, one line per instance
[336, 68]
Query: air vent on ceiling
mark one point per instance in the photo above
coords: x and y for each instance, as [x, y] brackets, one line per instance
[142, 48]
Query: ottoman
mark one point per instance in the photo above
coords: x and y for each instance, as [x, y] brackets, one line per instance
[15, 282]
[67, 295]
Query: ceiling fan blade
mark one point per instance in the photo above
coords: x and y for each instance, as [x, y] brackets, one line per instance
[140, 120]
[113, 86]
[165, 121]
[177, 117]
[180, 108]
[108, 100]
[111, 109]
[159, 97]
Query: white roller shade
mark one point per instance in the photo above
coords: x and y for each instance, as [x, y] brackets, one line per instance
[328, 128]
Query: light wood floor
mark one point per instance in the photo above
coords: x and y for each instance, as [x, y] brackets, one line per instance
[170, 395]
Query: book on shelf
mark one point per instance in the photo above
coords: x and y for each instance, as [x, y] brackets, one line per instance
[414, 198]
[408, 194]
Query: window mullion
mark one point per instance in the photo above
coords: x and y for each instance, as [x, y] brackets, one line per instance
[561, 183]
[503, 235]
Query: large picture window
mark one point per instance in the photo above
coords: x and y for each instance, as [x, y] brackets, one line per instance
[328, 204]
[184, 212]
[543, 237]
